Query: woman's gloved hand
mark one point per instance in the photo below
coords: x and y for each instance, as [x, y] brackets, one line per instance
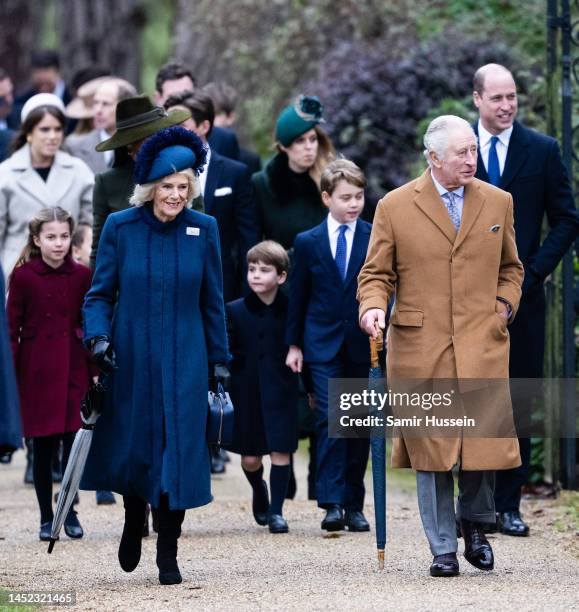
[219, 374]
[103, 354]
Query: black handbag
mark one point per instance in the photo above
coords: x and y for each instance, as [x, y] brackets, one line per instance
[219, 418]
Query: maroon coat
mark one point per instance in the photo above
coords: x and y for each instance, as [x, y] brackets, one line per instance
[52, 365]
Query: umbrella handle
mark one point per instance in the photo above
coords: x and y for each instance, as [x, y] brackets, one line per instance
[376, 345]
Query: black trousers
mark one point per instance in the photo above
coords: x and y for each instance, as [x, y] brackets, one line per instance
[42, 469]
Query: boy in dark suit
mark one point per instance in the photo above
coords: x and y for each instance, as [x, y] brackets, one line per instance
[263, 389]
[323, 331]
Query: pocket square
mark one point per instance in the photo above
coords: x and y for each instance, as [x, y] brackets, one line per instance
[494, 228]
[193, 231]
[223, 191]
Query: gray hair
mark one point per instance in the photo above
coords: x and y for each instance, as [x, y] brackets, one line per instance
[146, 192]
[436, 138]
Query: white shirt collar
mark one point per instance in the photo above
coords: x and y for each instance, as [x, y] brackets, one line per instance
[442, 190]
[484, 135]
[334, 226]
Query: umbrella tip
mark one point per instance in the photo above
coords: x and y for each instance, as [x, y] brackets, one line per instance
[51, 545]
[381, 559]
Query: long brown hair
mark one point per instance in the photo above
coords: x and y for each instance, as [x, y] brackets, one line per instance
[45, 215]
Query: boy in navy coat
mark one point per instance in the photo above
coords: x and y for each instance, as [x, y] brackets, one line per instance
[323, 331]
[263, 389]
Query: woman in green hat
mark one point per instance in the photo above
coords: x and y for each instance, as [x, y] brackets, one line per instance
[288, 188]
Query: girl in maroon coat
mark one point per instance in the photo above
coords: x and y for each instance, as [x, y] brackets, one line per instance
[46, 292]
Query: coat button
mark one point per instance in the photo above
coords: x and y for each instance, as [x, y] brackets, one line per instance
[48, 315]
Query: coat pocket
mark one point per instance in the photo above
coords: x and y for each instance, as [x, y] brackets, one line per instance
[407, 318]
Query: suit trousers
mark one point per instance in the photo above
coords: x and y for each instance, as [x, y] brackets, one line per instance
[435, 492]
[341, 463]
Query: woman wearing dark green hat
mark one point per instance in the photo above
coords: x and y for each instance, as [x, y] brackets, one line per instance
[287, 188]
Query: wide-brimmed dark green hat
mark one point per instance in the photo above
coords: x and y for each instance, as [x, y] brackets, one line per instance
[138, 118]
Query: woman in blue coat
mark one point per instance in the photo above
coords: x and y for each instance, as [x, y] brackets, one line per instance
[154, 318]
[10, 425]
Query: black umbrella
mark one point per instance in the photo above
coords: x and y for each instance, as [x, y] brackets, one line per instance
[378, 448]
[90, 410]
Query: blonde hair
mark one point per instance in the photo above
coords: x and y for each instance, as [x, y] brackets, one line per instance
[341, 169]
[146, 192]
[270, 253]
[45, 215]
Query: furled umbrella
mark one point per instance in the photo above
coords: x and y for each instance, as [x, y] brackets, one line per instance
[378, 449]
[90, 409]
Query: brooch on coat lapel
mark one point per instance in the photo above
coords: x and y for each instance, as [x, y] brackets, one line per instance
[494, 228]
[193, 231]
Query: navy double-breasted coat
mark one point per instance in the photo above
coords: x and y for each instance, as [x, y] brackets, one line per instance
[264, 390]
[157, 293]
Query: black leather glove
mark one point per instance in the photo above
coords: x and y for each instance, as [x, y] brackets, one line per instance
[103, 354]
[219, 374]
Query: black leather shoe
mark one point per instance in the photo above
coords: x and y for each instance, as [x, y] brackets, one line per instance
[277, 524]
[45, 531]
[130, 545]
[334, 519]
[260, 504]
[356, 521]
[444, 565]
[477, 550]
[72, 527]
[105, 498]
[511, 523]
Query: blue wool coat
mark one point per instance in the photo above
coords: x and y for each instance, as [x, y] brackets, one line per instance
[157, 292]
[10, 425]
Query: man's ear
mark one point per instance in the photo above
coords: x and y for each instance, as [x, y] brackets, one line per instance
[435, 160]
[476, 99]
[326, 197]
[204, 127]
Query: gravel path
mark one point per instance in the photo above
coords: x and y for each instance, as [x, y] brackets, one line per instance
[229, 563]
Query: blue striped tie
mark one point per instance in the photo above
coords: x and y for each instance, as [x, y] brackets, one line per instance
[341, 251]
[494, 170]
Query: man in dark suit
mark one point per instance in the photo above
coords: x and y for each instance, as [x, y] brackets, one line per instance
[528, 165]
[323, 331]
[174, 78]
[45, 78]
[227, 194]
[225, 100]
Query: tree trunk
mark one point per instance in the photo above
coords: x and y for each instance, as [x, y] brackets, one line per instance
[105, 33]
[20, 28]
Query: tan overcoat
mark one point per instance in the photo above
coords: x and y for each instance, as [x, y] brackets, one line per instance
[444, 323]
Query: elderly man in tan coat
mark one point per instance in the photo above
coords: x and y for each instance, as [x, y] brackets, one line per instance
[444, 246]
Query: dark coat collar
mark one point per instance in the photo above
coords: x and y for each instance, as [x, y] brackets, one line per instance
[255, 305]
[160, 226]
[38, 265]
[288, 185]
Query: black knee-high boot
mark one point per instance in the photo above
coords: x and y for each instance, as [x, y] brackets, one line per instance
[130, 546]
[170, 522]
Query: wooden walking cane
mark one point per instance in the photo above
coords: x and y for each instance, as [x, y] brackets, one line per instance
[378, 445]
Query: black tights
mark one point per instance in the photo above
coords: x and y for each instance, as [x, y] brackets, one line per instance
[42, 469]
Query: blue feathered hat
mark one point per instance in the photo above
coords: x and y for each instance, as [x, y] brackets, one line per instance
[170, 150]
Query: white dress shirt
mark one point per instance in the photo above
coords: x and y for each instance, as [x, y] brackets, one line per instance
[484, 143]
[203, 176]
[334, 232]
[458, 195]
[109, 155]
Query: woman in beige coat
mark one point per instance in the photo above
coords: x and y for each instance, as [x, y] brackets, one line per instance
[38, 174]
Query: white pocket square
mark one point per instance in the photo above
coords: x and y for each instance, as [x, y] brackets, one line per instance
[223, 191]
